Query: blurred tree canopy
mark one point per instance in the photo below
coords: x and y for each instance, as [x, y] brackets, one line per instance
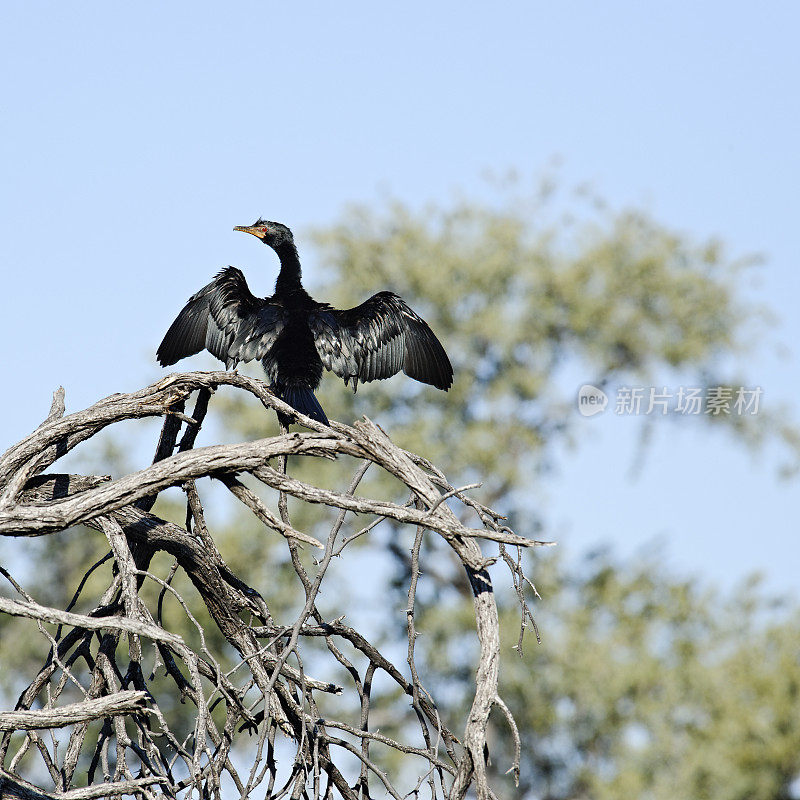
[644, 686]
[532, 295]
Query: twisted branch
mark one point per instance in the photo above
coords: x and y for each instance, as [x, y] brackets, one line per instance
[258, 682]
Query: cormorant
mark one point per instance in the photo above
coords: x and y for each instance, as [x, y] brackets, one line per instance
[294, 336]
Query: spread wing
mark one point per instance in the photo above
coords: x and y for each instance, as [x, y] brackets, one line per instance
[227, 320]
[378, 339]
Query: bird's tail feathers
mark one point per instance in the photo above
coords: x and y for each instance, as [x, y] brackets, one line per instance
[304, 400]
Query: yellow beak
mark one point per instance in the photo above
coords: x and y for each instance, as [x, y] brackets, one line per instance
[246, 229]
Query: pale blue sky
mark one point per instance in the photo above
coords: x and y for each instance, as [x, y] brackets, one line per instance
[135, 137]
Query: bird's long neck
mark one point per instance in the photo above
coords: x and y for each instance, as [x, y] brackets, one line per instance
[289, 278]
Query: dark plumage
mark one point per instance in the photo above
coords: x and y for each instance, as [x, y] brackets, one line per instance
[294, 336]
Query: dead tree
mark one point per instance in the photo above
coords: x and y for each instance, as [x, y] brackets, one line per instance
[112, 676]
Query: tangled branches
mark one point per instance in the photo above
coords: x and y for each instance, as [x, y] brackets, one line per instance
[114, 673]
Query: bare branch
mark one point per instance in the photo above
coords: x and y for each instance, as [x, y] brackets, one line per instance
[162, 713]
[254, 503]
[54, 615]
[127, 702]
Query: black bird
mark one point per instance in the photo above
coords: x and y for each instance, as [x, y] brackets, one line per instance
[294, 336]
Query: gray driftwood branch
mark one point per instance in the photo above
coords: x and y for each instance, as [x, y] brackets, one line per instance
[127, 702]
[111, 674]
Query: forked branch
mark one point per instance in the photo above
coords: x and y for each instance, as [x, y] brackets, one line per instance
[111, 674]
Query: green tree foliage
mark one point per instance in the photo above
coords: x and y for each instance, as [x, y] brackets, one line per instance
[523, 305]
[530, 303]
[645, 685]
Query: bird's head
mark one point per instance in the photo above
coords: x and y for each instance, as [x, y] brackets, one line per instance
[272, 233]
